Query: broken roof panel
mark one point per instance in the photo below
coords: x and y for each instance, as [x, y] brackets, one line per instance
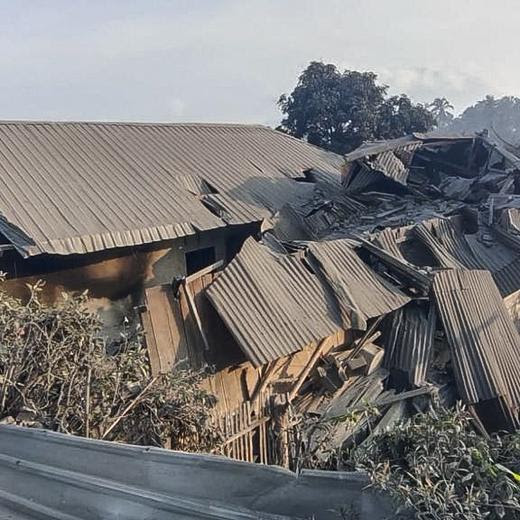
[372, 148]
[274, 305]
[484, 341]
[409, 341]
[367, 292]
[81, 187]
[452, 248]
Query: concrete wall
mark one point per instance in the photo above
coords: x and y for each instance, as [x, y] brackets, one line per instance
[115, 278]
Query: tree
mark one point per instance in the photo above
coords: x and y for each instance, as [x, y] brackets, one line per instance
[339, 110]
[441, 109]
[399, 116]
[500, 116]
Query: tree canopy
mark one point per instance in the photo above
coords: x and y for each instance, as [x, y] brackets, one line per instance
[339, 110]
[500, 115]
[442, 111]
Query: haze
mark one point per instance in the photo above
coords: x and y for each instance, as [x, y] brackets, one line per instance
[228, 61]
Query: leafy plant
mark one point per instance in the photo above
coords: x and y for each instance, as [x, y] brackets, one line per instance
[55, 373]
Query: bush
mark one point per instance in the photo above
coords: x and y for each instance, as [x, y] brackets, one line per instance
[440, 468]
[55, 373]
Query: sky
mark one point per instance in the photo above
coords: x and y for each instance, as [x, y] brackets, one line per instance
[229, 60]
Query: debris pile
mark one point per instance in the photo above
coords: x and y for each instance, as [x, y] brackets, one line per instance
[56, 374]
[413, 256]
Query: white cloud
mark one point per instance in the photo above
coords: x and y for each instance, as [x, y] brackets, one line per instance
[230, 60]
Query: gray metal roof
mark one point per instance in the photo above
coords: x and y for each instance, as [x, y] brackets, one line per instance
[452, 248]
[372, 295]
[274, 305]
[82, 187]
[483, 339]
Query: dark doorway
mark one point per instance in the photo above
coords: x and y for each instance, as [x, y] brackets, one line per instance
[198, 259]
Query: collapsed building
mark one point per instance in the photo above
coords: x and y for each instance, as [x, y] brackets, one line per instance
[306, 283]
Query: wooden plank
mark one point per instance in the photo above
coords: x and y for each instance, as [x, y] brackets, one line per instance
[195, 313]
[151, 346]
[164, 331]
[237, 433]
[207, 270]
[265, 378]
[310, 365]
[369, 335]
[194, 343]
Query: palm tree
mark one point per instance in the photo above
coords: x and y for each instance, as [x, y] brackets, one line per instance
[441, 109]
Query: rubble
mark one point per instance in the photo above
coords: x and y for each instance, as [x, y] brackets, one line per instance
[389, 293]
[411, 255]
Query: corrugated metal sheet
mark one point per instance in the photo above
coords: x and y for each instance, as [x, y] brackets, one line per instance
[235, 211]
[372, 148]
[484, 341]
[371, 295]
[443, 256]
[387, 240]
[409, 341]
[81, 187]
[272, 304]
[48, 475]
[389, 159]
[454, 249]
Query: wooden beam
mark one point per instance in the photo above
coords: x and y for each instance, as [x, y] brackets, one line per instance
[369, 335]
[327, 342]
[206, 270]
[193, 309]
[264, 379]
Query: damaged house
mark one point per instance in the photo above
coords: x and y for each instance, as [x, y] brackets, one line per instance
[307, 284]
[400, 283]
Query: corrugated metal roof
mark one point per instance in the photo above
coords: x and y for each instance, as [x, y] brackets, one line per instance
[484, 341]
[274, 305]
[409, 341]
[454, 249]
[81, 187]
[371, 295]
[387, 240]
[390, 159]
[371, 148]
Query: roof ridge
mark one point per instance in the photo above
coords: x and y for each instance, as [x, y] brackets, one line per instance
[132, 123]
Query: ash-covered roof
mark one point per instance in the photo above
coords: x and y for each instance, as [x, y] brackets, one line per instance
[82, 187]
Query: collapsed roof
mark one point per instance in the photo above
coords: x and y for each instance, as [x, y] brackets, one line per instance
[423, 232]
[276, 304]
[81, 187]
